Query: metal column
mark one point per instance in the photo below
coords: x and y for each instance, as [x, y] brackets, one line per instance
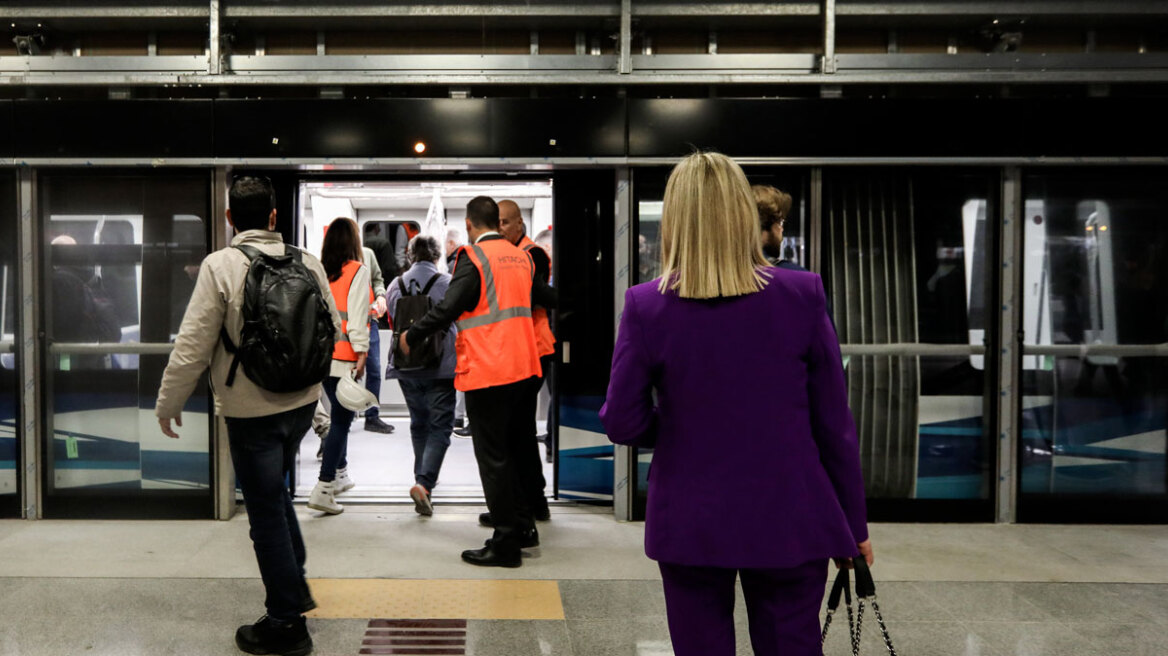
[1010, 353]
[626, 37]
[222, 473]
[29, 349]
[214, 40]
[624, 457]
[815, 229]
[827, 7]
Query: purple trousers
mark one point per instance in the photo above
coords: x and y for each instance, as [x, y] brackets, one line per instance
[782, 606]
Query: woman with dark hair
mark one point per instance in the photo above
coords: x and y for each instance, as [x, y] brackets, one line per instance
[731, 368]
[349, 284]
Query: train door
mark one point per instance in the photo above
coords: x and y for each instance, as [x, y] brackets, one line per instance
[395, 209]
[10, 453]
[120, 254]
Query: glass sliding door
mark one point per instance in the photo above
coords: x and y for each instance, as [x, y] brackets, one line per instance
[906, 257]
[121, 252]
[649, 190]
[1095, 322]
[10, 457]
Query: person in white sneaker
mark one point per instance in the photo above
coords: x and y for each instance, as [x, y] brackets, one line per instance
[349, 281]
[264, 427]
[429, 392]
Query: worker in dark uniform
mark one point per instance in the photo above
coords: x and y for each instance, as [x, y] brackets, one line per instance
[490, 296]
[512, 228]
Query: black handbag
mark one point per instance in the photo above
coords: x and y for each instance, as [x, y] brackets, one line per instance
[865, 592]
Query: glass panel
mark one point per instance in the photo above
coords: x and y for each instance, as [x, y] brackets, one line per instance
[649, 190]
[1096, 257]
[905, 261]
[9, 399]
[122, 254]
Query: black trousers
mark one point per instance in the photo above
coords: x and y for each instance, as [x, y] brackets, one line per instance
[499, 427]
[263, 451]
[530, 462]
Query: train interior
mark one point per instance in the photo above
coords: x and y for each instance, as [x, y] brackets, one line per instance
[382, 465]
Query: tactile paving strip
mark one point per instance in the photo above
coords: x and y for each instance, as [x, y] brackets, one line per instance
[436, 599]
[443, 637]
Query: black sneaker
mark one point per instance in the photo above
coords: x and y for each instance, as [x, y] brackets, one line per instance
[375, 425]
[268, 636]
[462, 432]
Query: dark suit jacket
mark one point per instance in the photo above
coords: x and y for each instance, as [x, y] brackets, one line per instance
[757, 462]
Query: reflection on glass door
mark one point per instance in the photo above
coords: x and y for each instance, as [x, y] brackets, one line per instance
[905, 268]
[9, 398]
[1095, 408]
[121, 255]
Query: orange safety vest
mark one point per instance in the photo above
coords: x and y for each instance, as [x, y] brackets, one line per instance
[544, 339]
[340, 291]
[496, 340]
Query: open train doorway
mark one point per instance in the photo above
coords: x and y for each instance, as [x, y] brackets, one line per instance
[382, 464]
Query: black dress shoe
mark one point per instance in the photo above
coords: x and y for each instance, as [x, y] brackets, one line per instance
[542, 514]
[375, 425]
[269, 636]
[492, 556]
[529, 539]
[485, 520]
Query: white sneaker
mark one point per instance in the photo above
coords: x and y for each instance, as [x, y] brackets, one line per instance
[343, 483]
[322, 499]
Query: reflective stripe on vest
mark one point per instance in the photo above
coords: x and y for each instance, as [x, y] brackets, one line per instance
[496, 342]
[343, 350]
[544, 338]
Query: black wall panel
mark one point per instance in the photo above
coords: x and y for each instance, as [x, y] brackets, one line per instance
[5, 129]
[900, 127]
[113, 128]
[448, 127]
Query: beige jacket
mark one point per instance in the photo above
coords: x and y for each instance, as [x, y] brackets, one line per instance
[217, 301]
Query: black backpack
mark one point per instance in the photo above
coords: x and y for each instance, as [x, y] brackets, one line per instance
[408, 310]
[287, 339]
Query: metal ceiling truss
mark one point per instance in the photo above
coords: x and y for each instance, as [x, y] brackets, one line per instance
[631, 63]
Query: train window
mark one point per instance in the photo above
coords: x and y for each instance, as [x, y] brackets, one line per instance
[9, 399]
[906, 263]
[121, 253]
[1096, 275]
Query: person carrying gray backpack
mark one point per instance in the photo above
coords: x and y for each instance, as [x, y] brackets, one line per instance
[426, 375]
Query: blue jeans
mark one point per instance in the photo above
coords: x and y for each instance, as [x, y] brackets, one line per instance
[431, 405]
[263, 450]
[336, 443]
[373, 369]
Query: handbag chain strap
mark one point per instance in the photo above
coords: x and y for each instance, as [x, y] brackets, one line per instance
[865, 591]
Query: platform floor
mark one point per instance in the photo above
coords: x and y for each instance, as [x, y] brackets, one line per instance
[114, 587]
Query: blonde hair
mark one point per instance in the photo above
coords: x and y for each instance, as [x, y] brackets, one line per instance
[773, 205]
[710, 242]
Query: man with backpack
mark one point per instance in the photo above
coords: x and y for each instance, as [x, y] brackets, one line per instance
[426, 374]
[262, 316]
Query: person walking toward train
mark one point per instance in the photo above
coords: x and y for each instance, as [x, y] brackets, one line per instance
[373, 421]
[349, 282]
[767, 349]
[490, 296]
[530, 465]
[265, 421]
[428, 390]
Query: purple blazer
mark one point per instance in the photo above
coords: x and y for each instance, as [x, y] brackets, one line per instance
[757, 464]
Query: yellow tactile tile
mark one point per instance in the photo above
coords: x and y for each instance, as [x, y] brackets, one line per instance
[436, 599]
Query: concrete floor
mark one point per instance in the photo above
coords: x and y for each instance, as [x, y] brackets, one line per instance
[159, 587]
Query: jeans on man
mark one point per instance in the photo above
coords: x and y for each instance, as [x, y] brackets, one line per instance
[263, 451]
[336, 443]
[431, 405]
[373, 371]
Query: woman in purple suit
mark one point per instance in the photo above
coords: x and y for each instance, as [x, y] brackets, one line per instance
[756, 471]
